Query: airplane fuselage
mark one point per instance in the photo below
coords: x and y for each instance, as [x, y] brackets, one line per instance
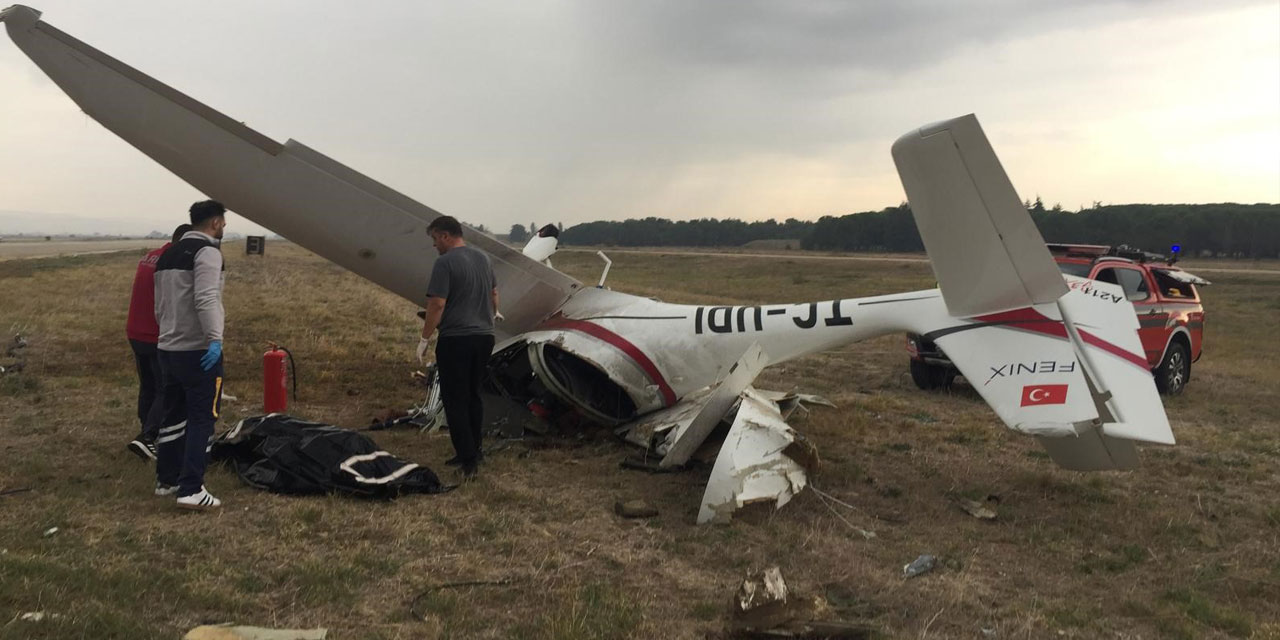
[659, 352]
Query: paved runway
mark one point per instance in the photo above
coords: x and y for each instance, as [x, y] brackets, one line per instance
[10, 250]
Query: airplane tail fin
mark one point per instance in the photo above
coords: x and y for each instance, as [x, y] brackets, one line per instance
[1058, 361]
[986, 252]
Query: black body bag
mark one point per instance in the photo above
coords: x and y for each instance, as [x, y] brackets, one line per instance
[283, 454]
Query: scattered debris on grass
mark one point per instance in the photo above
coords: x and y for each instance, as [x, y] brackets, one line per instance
[387, 415]
[976, 509]
[38, 616]
[829, 500]
[635, 509]
[16, 352]
[50, 531]
[230, 632]
[922, 565]
[653, 465]
[761, 600]
[764, 608]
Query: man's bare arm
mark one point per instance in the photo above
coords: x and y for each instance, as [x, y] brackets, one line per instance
[494, 295]
[435, 308]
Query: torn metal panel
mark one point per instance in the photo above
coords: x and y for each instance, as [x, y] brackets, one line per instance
[789, 401]
[678, 416]
[685, 441]
[754, 464]
[809, 398]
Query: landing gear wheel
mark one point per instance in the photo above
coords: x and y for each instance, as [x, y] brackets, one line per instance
[1174, 370]
[931, 376]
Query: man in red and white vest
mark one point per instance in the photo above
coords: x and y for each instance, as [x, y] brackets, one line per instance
[144, 332]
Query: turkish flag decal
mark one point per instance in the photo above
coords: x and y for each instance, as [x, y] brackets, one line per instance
[1036, 394]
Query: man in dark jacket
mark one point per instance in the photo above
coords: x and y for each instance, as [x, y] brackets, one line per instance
[462, 300]
[143, 334]
[188, 280]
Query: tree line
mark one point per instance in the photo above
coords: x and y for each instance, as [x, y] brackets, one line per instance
[1226, 229]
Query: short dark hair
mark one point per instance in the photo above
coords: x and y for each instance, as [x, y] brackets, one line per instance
[447, 224]
[204, 210]
[180, 231]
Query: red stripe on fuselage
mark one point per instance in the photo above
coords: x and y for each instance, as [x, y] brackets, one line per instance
[622, 344]
[1031, 320]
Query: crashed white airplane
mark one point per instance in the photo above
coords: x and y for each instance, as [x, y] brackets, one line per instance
[664, 374]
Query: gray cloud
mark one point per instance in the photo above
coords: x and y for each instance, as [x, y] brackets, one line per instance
[579, 110]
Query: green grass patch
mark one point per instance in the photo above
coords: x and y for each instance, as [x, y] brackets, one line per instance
[1115, 560]
[1199, 608]
[596, 612]
[18, 384]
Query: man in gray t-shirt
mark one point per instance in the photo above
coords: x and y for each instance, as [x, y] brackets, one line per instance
[462, 301]
[463, 279]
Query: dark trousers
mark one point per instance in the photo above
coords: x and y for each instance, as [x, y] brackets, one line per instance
[151, 415]
[188, 390]
[462, 361]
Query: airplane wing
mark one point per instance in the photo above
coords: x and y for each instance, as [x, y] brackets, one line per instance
[289, 188]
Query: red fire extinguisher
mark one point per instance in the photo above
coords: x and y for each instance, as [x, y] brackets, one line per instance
[275, 391]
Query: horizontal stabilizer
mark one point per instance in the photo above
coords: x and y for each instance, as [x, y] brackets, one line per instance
[985, 250]
[1086, 394]
[1031, 379]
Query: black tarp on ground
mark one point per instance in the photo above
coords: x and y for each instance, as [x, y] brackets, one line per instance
[283, 454]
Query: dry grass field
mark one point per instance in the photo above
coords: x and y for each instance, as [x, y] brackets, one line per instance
[1186, 547]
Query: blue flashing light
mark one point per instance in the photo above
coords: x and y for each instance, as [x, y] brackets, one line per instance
[1176, 248]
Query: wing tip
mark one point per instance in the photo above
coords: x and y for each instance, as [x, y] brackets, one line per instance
[19, 15]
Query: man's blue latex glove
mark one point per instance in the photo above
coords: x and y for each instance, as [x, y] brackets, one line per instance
[211, 356]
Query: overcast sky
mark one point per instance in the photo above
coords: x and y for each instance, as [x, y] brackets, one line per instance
[563, 111]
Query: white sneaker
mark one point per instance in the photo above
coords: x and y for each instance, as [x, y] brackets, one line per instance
[163, 489]
[201, 501]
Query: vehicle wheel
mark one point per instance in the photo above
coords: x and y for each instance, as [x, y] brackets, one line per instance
[920, 375]
[929, 376]
[1174, 370]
